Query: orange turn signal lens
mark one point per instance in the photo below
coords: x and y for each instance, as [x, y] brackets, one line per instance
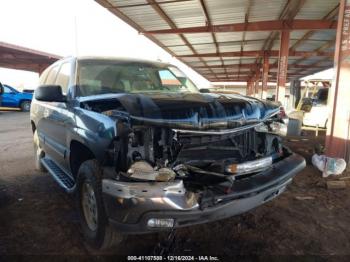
[232, 168]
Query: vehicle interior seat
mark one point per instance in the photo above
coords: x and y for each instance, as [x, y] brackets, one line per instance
[110, 82]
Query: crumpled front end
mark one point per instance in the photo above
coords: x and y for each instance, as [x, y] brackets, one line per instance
[140, 207]
[166, 172]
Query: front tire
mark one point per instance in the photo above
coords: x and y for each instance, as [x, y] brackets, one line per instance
[25, 106]
[93, 219]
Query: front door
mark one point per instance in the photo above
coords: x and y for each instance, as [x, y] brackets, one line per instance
[57, 118]
[9, 98]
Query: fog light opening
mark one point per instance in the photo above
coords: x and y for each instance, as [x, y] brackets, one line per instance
[160, 222]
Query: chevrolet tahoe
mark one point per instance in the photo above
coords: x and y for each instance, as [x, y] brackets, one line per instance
[143, 150]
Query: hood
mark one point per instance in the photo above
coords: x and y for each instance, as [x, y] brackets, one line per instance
[192, 110]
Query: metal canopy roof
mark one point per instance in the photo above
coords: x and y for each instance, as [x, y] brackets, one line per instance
[224, 40]
[17, 57]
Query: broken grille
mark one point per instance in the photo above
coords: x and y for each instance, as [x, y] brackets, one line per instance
[237, 145]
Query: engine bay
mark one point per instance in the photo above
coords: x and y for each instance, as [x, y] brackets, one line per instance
[144, 152]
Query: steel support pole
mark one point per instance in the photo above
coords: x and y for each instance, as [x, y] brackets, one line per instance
[282, 66]
[265, 77]
[256, 82]
[248, 88]
[338, 131]
[251, 88]
[256, 88]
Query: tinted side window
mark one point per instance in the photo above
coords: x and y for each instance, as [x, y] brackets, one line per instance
[63, 77]
[52, 76]
[7, 90]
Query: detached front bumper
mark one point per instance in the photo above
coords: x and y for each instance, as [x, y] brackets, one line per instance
[130, 206]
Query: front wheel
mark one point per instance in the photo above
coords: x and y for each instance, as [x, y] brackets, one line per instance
[25, 106]
[92, 215]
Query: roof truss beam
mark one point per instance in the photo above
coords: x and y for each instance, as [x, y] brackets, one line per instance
[243, 79]
[274, 25]
[290, 10]
[208, 23]
[171, 24]
[259, 53]
[253, 66]
[330, 16]
[148, 4]
[246, 20]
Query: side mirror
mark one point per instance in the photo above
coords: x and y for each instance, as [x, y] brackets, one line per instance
[50, 93]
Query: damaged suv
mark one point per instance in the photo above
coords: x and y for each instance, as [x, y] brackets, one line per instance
[143, 150]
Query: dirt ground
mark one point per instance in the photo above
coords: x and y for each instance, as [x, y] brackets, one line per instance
[37, 217]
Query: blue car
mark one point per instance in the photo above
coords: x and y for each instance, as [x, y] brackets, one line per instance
[10, 97]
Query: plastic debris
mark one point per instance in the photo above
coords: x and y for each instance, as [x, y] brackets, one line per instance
[304, 198]
[328, 166]
[344, 178]
[336, 184]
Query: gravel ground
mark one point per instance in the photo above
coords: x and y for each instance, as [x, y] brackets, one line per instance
[37, 217]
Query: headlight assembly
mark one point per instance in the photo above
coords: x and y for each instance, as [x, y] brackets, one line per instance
[273, 128]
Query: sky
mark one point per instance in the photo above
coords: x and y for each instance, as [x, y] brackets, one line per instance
[76, 27]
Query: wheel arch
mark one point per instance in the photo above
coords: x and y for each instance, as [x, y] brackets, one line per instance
[24, 100]
[79, 153]
[33, 126]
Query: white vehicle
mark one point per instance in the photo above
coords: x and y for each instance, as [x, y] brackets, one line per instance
[316, 110]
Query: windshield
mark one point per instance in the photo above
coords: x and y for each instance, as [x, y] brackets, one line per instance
[104, 77]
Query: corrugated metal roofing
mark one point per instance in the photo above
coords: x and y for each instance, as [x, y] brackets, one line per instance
[150, 15]
[265, 10]
[228, 11]
[185, 15]
[316, 9]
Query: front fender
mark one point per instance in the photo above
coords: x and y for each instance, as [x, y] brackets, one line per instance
[94, 130]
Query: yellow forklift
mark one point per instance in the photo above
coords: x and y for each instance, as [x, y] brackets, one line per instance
[312, 86]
